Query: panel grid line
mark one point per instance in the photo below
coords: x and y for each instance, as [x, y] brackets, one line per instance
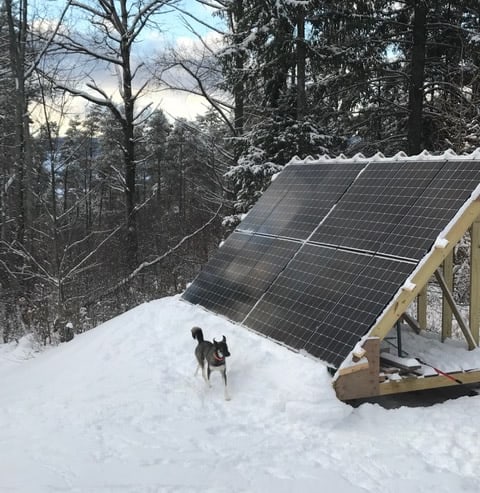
[307, 239]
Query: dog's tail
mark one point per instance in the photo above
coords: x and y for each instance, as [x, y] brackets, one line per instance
[197, 334]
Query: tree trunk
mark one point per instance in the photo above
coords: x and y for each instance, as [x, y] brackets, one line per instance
[239, 86]
[130, 172]
[415, 139]
[130, 199]
[301, 60]
[280, 64]
[17, 41]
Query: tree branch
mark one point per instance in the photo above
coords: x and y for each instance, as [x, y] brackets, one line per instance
[155, 261]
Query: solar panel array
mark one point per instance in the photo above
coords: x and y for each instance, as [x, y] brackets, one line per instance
[327, 247]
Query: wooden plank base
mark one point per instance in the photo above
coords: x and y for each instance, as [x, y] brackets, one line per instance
[412, 384]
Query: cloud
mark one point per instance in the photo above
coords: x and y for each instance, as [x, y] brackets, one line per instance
[210, 39]
[178, 104]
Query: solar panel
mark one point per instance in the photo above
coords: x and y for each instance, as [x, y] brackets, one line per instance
[300, 198]
[243, 268]
[325, 300]
[378, 199]
[329, 244]
[416, 231]
[266, 204]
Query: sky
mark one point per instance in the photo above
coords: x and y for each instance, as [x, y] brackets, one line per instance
[119, 410]
[172, 32]
[178, 34]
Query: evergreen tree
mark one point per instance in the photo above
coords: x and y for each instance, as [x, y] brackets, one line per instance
[397, 74]
[265, 62]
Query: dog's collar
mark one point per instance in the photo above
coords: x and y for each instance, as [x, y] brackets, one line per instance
[215, 355]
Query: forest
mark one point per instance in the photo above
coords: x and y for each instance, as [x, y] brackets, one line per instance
[120, 203]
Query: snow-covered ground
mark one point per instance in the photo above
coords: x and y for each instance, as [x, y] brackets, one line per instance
[118, 410]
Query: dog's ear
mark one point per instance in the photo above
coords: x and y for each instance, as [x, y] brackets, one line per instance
[224, 339]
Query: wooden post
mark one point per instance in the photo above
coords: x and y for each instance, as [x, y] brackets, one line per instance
[422, 307]
[475, 280]
[412, 322]
[456, 312]
[361, 380]
[446, 310]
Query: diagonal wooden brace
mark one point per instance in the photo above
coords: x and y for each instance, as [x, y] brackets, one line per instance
[456, 313]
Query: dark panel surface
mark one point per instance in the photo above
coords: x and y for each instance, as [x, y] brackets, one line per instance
[242, 269]
[376, 202]
[305, 293]
[363, 302]
[327, 299]
[324, 295]
[417, 230]
[300, 198]
[268, 202]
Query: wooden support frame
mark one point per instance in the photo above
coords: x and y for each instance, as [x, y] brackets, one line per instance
[412, 384]
[425, 270]
[422, 307]
[364, 380]
[446, 309]
[361, 380]
[412, 323]
[362, 384]
[456, 312]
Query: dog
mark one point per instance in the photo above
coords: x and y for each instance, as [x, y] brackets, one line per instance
[211, 357]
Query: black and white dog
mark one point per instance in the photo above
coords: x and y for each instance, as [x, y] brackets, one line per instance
[211, 355]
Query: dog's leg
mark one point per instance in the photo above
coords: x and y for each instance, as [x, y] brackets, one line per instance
[199, 365]
[224, 374]
[206, 374]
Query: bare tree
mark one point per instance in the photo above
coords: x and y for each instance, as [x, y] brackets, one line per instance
[18, 30]
[25, 55]
[198, 70]
[115, 26]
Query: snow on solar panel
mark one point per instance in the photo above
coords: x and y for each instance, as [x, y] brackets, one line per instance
[329, 244]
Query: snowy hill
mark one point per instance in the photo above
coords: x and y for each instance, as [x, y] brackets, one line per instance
[118, 410]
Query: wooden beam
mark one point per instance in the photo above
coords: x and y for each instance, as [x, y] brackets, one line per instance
[364, 382]
[364, 365]
[412, 323]
[410, 384]
[409, 364]
[422, 307]
[446, 310]
[474, 315]
[456, 312]
[425, 270]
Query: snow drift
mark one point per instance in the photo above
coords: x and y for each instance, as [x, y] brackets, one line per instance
[118, 409]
